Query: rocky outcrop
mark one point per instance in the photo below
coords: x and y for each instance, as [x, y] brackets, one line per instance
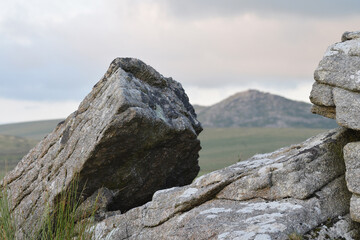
[253, 108]
[303, 190]
[271, 196]
[135, 133]
[335, 93]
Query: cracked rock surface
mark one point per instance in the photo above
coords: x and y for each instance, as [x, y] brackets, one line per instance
[270, 196]
[336, 91]
[135, 133]
[336, 94]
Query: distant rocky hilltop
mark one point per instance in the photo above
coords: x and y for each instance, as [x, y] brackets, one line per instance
[253, 108]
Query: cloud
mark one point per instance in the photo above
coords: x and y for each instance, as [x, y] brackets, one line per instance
[306, 8]
[57, 50]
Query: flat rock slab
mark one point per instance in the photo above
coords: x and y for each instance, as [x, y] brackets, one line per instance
[135, 133]
[291, 191]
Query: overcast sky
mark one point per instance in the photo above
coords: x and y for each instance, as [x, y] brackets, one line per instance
[53, 52]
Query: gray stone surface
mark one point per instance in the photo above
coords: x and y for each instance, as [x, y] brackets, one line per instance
[355, 207]
[329, 112]
[322, 95]
[135, 133]
[347, 108]
[339, 228]
[350, 35]
[270, 196]
[352, 162]
[336, 92]
[340, 66]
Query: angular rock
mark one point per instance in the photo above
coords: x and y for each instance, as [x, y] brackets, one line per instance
[347, 108]
[271, 196]
[350, 35]
[322, 95]
[329, 112]
[135, 133]
[355, 207]
[352, 157]
[338, 82]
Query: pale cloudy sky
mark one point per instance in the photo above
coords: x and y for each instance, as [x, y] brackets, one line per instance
[53, 52]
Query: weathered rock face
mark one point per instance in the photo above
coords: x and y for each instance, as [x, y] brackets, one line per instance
[135, 133]
[336, 92]
[270, 196]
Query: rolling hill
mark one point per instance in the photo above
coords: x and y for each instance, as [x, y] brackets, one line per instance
[253, 108]
[12, 149]
[32, 130]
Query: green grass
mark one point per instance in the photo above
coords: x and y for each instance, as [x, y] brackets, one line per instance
[12, 149]
[31, 130]
[7, 221]
[222, 147]
[58, 224]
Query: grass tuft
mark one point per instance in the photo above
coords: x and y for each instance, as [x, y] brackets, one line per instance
[60, 223]
[7, 221]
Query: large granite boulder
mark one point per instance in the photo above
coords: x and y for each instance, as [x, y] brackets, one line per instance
[293, 191]
[134, 134]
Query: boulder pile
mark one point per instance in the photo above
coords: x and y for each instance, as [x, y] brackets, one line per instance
[305, 190]
[336, 94]
[134, 134]
[133, 141]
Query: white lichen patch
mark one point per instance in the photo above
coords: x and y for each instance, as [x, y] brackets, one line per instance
[236, 235]
[254, 162]
[270, 168]
[266, 228]
[262, 206]
[189, 192]
[208, 179]
[330, 51]
[111, 235]
[98, 230]
[211, 216]
[160, 113]
[223, 235]
[356, 77]
[262, 237]
[264, 218]
[216, 210]
[160, 192]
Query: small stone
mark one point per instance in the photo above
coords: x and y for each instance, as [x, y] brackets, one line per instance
[329, 112]
[355, 207]
[351, 158]
[347, 108]
[350, 35]
[322, 95]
